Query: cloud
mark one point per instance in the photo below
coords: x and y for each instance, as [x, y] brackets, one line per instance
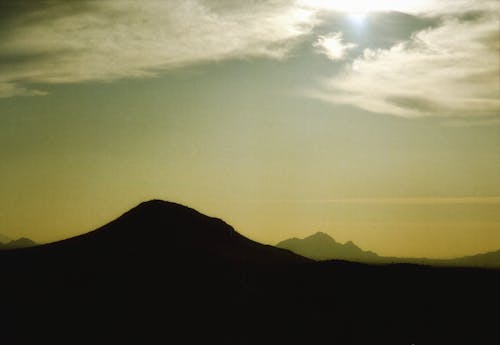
[451, 70]
[449, 7]
[415, 7]
[332, 46]
[68, 42]
[448, 70]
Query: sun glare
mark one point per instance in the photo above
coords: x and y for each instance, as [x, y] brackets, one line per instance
[357, 17]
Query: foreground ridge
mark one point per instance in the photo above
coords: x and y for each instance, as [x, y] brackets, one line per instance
[165, 273]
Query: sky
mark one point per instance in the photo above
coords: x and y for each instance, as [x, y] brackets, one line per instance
[376, 122]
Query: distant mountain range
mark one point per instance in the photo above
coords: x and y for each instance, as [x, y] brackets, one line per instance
[321, 246]
[22, 242]
[4, 239]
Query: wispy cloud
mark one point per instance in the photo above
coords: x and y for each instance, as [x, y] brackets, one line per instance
[451, 70]
[66, 42]
[417, 7]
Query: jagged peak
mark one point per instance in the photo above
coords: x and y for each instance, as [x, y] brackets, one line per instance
[320, 236]
[350, 244]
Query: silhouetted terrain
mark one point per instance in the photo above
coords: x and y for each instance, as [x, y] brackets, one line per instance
[491, 259]
[22, 242]
[4, 239]
[321, 246]
[195, 280]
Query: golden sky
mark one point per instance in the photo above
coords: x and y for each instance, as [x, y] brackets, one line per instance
[378, 124]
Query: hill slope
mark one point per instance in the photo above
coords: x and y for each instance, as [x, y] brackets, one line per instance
[170, 231]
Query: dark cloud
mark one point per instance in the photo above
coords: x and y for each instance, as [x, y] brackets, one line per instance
[420, 104]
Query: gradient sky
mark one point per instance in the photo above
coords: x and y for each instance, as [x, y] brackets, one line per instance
[376, 123]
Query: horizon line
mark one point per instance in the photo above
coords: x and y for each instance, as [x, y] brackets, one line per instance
[487, 200]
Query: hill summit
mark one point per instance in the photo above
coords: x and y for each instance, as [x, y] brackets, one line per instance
[162, 230]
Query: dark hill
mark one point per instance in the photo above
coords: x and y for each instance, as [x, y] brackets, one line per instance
[193, 279]
[170, 231]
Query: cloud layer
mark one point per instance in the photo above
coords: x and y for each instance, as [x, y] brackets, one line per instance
[450, 69]
[69, 42]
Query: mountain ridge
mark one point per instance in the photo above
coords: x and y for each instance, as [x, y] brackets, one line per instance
[321, 246]
[172, 230]
[22, 242]
[4, 239]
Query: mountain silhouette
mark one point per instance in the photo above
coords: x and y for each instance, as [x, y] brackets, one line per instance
[321, 246]
[490, 259]
[172, 230]
[165, 273]
[22, 242]
[5, 239]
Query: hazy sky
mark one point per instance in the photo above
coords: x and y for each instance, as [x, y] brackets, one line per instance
[376, 122]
